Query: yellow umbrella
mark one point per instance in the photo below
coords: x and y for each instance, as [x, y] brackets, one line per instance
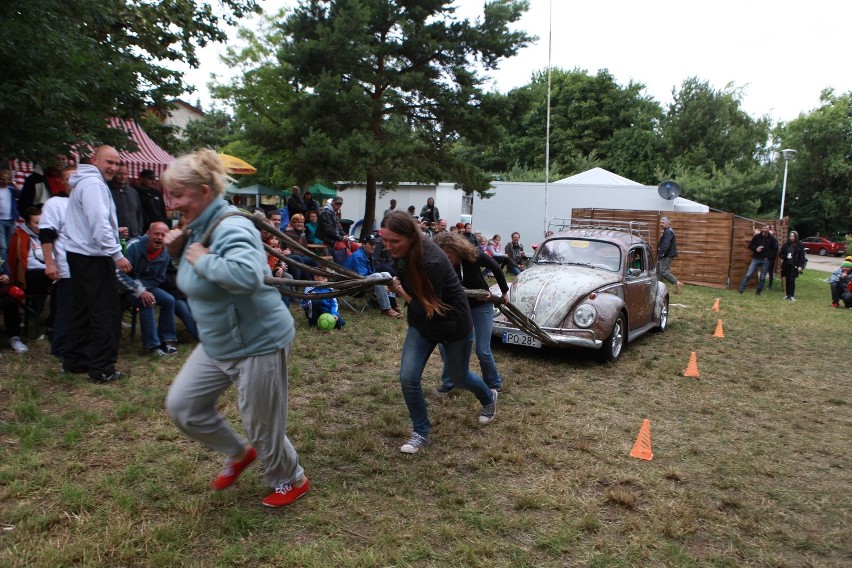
[234, 165]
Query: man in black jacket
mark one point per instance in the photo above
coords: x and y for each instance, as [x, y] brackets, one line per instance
[666, 252]
[763, 246]
[329, 229]
[151, 198]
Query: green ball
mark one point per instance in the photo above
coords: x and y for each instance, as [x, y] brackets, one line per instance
[326, 322]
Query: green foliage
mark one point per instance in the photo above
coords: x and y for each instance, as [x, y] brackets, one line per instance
[819, 183]
[749, 193]
[594, 122]
[375, 90]
[706, 128]
[69, 66]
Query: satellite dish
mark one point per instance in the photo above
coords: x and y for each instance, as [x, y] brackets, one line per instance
[669, 190]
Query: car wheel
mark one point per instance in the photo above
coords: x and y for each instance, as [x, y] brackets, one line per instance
[822, 252]
[664, 317]
[614, 344]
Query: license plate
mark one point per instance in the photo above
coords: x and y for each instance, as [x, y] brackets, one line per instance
[521, 339]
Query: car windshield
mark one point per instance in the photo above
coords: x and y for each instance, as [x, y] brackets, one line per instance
[585, 252]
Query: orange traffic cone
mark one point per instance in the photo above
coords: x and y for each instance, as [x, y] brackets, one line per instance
[716, 305]
[642, 447]
[692, 366]
[719, 331]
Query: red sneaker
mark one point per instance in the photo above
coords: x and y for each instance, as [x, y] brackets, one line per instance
[232, 471]
[285, 494]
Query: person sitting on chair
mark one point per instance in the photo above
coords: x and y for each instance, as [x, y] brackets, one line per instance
[150, 260]
[361, 261]
[315, 308]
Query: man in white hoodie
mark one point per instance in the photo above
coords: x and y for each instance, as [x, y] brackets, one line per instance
[93, 251]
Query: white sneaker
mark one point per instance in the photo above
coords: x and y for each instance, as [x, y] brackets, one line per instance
[414, 443]
[17, 345]
[489, 410]
[792, 299]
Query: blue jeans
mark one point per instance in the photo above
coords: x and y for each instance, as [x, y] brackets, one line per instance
[7, 227]
[483, 320]
[415, 353]
[154, 335]
[182, 312]
[763, 265]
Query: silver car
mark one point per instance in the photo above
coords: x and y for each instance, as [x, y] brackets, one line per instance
[592, 285]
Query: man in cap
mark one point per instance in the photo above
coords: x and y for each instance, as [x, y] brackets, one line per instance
[361, 261]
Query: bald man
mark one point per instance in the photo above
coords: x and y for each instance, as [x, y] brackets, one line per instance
[93, 251]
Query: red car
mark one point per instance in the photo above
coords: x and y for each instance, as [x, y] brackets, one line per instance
[823, 246]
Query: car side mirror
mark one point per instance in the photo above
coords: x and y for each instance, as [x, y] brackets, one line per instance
[634, 272]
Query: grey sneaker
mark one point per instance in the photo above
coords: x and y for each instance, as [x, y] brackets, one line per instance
[157, 351]
[17, 345]
[489, 410]
[414, 443]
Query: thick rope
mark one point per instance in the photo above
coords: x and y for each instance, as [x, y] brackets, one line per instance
[347, 282]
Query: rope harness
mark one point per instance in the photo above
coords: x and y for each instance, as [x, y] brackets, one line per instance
[347, 282]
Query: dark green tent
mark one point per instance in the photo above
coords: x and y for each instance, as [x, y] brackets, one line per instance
[321, 193]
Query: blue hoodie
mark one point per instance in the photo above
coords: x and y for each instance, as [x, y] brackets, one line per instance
[237, 314]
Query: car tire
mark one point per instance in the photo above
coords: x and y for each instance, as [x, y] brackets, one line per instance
[822, 252]
[664, 317]
[613, 346]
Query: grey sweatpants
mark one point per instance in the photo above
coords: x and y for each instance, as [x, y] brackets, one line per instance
[261, 383]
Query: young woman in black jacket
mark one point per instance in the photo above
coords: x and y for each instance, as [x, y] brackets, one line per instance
[438, 312]
[469, 263]
[793, 262]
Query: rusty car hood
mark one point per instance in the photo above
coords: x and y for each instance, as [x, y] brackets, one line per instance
[547, 293]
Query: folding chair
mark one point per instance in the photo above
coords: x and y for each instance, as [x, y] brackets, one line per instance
[358, 302]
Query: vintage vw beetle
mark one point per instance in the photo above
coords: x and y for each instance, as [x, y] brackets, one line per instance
[588, 285]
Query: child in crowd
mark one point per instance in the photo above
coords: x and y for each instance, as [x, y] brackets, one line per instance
[315, 308]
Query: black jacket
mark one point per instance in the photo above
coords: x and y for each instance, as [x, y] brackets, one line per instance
[470, 274]
[769, 244]
[456, 324]
[329, 229]
[797, 258]
[667, 246]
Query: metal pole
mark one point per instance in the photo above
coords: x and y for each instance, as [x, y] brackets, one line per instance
[547, 131]
[784, 187]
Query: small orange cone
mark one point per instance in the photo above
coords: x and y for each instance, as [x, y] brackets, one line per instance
[719, 331]
[692, 366]
[642, 447]
[716, 305]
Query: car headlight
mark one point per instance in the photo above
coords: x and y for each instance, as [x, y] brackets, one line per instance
[585, 315]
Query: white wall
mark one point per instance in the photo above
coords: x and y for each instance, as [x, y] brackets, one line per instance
[516, 206]
[521, 206]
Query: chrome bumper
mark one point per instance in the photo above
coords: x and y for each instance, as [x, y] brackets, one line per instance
[563, 337]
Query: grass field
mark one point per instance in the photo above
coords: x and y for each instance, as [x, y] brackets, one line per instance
[751, 460]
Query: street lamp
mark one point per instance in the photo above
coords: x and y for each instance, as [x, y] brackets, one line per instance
[788, 155]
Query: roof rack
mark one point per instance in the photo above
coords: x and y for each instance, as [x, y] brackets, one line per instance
[641, 231]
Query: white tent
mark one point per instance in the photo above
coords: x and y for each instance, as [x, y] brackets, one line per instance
[521, 206]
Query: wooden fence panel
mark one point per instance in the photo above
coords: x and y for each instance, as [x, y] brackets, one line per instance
[712, 247]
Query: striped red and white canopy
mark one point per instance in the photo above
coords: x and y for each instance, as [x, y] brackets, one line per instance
[149, 155]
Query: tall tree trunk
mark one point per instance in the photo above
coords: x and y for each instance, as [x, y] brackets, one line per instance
[369, 205]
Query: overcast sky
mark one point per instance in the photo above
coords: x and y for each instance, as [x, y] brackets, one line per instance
[782, 53]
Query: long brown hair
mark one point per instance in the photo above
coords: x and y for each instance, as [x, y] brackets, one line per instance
[457, 245]
[404, 225]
